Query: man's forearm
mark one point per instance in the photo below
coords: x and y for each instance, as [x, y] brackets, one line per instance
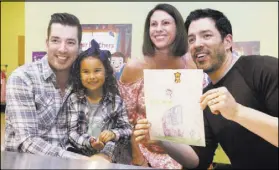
[262, 124]
[183, 154]
[37, 145]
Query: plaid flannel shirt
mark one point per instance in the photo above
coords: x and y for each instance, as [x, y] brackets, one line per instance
[36, 119]
[115, 120]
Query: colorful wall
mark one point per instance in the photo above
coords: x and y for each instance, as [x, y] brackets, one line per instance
[12, 27]
[251, 21]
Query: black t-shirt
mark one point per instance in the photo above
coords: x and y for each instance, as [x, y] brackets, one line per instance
[253, 82]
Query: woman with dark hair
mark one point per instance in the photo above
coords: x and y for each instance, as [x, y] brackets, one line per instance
[98, 117]
[165, 42]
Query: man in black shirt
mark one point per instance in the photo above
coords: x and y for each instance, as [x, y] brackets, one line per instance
[241, 102]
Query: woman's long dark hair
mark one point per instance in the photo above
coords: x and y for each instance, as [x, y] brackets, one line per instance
[110, 86]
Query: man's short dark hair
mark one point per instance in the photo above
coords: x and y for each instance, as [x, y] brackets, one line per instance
[65, 19]
[222, 23]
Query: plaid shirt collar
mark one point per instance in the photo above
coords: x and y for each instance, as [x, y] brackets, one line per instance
[47, 71]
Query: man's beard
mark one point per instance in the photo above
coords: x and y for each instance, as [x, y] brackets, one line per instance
[217, 59]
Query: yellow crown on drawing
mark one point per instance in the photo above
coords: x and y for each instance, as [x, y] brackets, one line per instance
[177, 77]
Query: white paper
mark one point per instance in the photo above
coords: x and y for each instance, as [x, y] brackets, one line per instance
[172, 105]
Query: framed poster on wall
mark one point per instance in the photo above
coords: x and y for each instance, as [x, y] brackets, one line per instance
[112, 37]
[246, 48]
[117, 38]
[37, 55]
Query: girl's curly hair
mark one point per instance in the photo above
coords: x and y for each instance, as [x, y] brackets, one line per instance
[110, 86]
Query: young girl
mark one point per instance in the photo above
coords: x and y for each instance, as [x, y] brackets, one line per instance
[98, 117]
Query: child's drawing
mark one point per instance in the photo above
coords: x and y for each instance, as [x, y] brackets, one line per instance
[173, 122]
[172, 107]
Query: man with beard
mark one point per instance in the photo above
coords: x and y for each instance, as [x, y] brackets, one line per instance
[241, 102]
[36, 119]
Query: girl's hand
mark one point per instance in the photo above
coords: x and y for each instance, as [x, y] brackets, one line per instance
[96, 144]
[106, 136]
